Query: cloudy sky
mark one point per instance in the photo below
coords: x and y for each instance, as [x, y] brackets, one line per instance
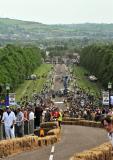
[58, 11]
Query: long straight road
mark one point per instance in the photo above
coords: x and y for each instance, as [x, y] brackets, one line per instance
[74, 139]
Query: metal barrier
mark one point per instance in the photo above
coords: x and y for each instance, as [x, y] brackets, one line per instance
[26, 128]
[1, 131]
[31, 127]
[19, 129]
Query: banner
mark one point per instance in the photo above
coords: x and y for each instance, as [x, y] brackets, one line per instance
[4, 100]
[111, 100]
[105, 96]
[12, 99]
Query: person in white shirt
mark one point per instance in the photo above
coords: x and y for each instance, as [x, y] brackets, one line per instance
[43, 115]
[31, 121]
[108, 125]
[31, 114]
[9, 121]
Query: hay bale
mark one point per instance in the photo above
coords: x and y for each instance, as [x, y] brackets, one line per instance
[50, 125]
[54, 132]
[103, 152]
[8, 147]
[82, 122]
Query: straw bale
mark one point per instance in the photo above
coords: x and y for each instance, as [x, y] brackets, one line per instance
[8, 147]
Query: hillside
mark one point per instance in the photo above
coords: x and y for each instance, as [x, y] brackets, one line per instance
[11, 29]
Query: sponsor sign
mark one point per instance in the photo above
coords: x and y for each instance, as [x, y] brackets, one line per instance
[12, 99]
[111, 100]
[105, 96]
[4, 100]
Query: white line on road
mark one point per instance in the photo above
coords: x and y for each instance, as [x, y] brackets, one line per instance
[51, 157]
[52, 149]
[52, 152]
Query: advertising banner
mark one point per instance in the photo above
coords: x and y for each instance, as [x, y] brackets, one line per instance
[4, 100]
[105, 96]
[111, 100]
[12, 99]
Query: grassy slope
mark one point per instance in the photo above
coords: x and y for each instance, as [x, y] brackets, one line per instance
[30, 86]
[84, 83]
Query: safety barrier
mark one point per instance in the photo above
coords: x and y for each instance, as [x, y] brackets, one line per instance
[8, 147]
[81, 122]
[67, 118]
[17, 145]
[56, 132]
[27, 129]
[102, 152]
[1, 131]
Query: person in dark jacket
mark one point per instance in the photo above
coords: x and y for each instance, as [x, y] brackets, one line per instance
[38, 116]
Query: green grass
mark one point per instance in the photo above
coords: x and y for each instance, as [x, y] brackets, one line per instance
[83, 82]
[30, 86]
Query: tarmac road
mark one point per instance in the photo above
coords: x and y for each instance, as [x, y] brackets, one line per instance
[74, 139]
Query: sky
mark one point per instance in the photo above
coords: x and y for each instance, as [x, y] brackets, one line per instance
[58, 11]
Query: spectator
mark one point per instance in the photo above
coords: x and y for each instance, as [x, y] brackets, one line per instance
[1, 114]
[60, 118]
[38, 115]
[47, 115]
[9, 121]
[25, 112]
[19, 123]
[31, 114]
[31, 121]
[43, 115]
[108, 125]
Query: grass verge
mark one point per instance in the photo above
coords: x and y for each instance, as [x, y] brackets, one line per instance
[30, 86]
[83, 82]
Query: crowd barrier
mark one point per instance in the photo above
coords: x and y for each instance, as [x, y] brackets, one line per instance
[27, 129]
[26, 143]
[81, 122]
[17, 145]
[102, 152]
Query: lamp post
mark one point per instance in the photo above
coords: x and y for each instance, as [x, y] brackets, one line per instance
[109, 88]
[7, 94]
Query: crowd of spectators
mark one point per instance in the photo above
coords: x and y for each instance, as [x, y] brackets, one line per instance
[41, 109]
[81, 105]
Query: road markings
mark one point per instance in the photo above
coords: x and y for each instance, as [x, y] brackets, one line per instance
[51, 157]
[52, 152]
[52, 149]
